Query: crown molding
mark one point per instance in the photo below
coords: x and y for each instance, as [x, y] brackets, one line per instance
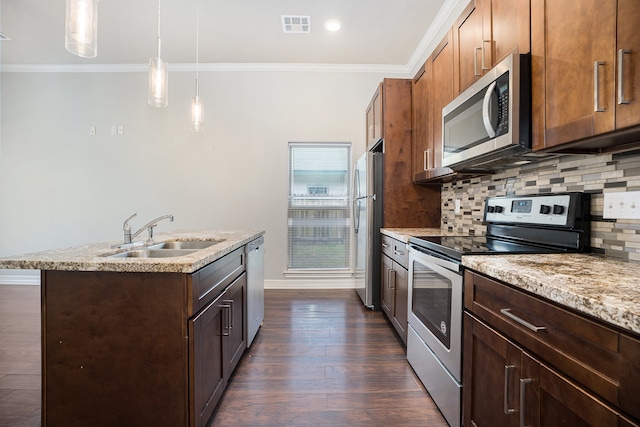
[398, 70]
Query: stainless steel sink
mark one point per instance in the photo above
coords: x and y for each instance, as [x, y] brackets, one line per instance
[153, 253]
[179, 244]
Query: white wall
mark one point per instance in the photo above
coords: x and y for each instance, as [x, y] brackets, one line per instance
[61, 186]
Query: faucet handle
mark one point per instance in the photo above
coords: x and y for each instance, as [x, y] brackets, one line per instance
[126, 225]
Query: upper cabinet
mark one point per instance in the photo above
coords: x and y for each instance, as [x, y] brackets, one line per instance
[585, 65]
[432, 91]
[375, 127]
[485, 33]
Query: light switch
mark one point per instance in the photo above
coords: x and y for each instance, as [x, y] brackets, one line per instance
[622, 205]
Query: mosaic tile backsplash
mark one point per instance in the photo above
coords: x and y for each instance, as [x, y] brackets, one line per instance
[595, 174]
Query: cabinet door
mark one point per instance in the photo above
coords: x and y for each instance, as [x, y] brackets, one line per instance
[572, 46]
[374, 118]
[491, 367]
[234, 333]
[207, 365]
[506, 29]
[388, 291]
[628, 67]
[401, 300]
[421, 140]
[468, 43]
[442, 94]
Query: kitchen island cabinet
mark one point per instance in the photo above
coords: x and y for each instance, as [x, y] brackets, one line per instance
[529, 362]
[140, 341]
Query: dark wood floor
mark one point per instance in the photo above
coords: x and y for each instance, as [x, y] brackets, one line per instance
[319, 359]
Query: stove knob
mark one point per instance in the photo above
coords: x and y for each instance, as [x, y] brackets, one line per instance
[545, 209]
[558, 209]
[499, 209]
[491, 209]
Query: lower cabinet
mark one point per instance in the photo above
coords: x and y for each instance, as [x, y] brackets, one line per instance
[216, 348]
[528, 362]
[506, 386]
[395, 284]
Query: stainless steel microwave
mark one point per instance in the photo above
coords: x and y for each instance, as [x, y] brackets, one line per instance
[488, 126]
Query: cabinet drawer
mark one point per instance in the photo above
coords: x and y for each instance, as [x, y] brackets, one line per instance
[401, 254]
[583, 349]
[387, 246]
[209, 281]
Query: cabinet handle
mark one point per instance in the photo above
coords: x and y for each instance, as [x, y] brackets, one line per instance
[596, 87]
[484, 67]
[226, 331]
[621, 54]
[385, 245]
[230, 315]
[426, 160]
[507, 410]
[507, 312]
[389, 281]
[475, 61]
[399, 253]
[523, 387]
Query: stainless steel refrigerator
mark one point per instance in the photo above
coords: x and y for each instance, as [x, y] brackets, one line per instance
[366, 223]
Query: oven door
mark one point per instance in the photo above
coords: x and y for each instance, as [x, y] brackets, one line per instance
[435, 307]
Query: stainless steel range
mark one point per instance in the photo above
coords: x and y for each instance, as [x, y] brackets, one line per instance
[545, 223]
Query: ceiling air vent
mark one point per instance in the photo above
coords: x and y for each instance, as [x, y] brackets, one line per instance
[296, 24]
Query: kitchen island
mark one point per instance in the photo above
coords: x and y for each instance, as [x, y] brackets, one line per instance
[130, 340]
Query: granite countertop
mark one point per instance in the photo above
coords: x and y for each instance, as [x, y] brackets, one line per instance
[601, 287]
[403, 234]
[94, 257]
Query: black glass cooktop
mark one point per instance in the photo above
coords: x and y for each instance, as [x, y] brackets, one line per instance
[456, 246]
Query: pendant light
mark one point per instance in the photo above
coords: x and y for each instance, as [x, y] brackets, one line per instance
[81, 28]
[158, 76]
[197, 105]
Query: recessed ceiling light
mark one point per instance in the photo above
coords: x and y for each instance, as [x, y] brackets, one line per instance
[333, 25]
[296, 24]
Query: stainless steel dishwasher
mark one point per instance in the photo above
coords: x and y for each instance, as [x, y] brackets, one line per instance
[255, 287]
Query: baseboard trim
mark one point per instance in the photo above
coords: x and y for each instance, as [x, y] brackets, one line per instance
[32, 278]
[20, 277]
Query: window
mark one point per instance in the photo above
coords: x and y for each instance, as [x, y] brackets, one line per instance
[319, 201]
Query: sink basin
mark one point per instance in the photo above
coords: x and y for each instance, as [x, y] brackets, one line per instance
[153, 253]
[178, 244]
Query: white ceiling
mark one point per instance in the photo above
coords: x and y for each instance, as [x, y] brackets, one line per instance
[382, 32]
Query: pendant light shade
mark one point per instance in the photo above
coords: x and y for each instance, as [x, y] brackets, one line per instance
[197, 113]
[81, 28]
[197, 105]
[158, 76]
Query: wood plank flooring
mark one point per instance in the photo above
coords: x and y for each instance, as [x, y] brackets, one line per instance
[320, 359]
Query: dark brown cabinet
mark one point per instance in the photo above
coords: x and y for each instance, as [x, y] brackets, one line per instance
[124, 348]
[395, 283]
[433, 90]
[529, 362]
[485, 33]
[400, 196]
[585, 74]
[217, 344]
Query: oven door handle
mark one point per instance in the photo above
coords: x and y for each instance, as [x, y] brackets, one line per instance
[435, 259]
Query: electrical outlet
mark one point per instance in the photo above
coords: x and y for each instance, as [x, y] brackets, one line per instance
[92, 130]
[622, 205]
[114, 129]
[120, 129]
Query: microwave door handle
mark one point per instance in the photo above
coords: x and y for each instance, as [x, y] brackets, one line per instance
[486, 110]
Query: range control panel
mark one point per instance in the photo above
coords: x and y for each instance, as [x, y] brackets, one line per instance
[552, 209]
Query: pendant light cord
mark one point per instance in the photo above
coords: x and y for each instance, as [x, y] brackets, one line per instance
[197, 46]
[158, 28]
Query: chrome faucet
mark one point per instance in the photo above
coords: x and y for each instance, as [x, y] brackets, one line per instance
[128, 237]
